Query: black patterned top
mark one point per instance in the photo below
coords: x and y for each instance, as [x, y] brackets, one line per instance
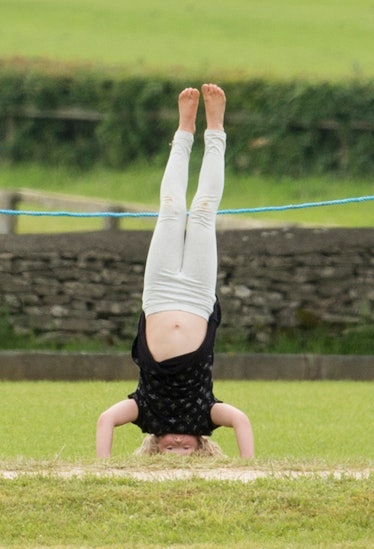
[176, 395]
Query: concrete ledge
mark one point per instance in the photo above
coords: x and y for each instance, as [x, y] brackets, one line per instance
[61, 366]
[294, 367]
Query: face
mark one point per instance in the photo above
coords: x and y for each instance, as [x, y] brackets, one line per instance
[183, 445]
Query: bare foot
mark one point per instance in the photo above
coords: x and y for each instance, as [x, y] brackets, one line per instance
[215, 104]
[188, 103]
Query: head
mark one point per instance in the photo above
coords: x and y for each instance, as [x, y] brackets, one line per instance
[184, 445]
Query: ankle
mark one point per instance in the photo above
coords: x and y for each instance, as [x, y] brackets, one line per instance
[215, 125]
[187, 128]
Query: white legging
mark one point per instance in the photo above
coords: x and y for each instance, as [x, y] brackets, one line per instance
[181, 269]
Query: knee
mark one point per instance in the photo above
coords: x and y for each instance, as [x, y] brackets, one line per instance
[203, 209]
[172, 205]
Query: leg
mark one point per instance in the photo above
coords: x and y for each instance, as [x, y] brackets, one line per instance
[166, 250]
[200, 255]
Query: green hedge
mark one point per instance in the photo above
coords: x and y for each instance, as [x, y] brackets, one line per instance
[274, 127]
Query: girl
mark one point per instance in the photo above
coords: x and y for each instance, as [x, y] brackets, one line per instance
[174, 400]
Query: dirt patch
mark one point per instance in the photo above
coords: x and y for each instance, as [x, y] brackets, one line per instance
[244, 474]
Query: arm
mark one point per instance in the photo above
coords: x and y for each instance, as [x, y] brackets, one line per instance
[119, 414]
[226, 415]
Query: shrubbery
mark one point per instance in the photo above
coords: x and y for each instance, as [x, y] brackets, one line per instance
[83, 118]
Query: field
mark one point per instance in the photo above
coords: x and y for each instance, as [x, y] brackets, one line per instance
[321, 39]
[329, 421]
[307, 428]
[140, 183]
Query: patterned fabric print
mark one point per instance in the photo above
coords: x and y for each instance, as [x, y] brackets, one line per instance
[176, 395]
[176, 403]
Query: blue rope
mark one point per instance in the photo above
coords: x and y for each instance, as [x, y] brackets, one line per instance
[299, 206]
[220, 212]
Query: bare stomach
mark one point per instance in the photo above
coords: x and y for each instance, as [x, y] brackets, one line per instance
[174, 333]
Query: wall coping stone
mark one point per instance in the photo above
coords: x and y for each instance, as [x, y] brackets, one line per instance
[74, 366]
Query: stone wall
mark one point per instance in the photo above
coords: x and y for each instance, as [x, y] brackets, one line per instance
[67, 286]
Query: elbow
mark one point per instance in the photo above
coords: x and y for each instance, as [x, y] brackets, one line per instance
[103, 421]
[106, 419]
[242, 421]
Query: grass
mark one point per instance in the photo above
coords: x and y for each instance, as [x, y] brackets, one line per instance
[266, 514]
[306, 426]
[140, 183]
[296, 38]
[299, 421]
[320, 340]
[319, 39]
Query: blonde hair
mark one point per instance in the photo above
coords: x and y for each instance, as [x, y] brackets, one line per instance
[206, 447]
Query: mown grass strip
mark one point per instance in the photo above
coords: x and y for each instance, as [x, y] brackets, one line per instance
[140, 184]
[96, 512]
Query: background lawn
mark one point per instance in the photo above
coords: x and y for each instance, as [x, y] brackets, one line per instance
[139, 183]
[320, 39]
[300, 421]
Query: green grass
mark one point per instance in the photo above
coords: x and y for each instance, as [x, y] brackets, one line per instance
[319, 39]
[306, 426]
[298, 421]
[320, 340]
[322, 39]
[267, 514]
[140, 183]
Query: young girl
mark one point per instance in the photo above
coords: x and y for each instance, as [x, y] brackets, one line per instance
[174, 400]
